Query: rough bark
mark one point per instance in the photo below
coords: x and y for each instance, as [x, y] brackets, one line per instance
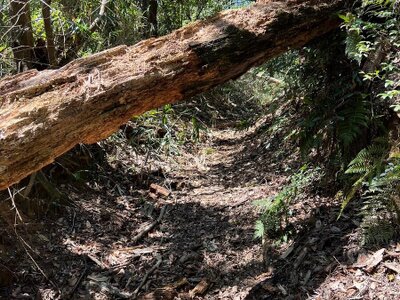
[44, 114]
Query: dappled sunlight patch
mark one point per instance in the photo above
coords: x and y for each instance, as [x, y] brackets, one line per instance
[90, 247]
[122, 256]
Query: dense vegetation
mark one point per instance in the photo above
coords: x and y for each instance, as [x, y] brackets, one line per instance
[344, 114]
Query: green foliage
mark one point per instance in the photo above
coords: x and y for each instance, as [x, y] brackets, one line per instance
[370, 160]
[175, 14]
[373, 34]
[275, 210]
[380, 208]
[373, 42]
[164, 130]
[330, 112]
[368, 163]
[375, 230]
[351, 120]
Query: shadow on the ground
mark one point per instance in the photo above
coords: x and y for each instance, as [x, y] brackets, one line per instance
[86, 249]
[318, 249]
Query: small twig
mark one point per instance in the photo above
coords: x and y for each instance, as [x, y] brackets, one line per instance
[73, 221]
[72, 292]
[25, 245]
[14, 206]
[96, 261]
[150, 227]
[144, 164]
[146, 276]
[29, 187]
[8, 269]
[237, 204]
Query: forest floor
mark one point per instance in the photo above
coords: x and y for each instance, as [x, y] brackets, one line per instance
[183, 228]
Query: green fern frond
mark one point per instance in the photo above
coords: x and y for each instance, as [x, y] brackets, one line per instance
[351, 121]
[380, 208]
[275, 209]
[352, 40]
[259, 229]
[376, 231]
[350, 195]
[367, 163]
[368, 158]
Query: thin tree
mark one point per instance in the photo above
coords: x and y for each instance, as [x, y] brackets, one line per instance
[48, 28]
[21, 34]
[149, 10]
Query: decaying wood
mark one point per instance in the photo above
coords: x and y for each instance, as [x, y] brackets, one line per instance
[199, 289]
[44, 114]
[159, 190]
[150, 227]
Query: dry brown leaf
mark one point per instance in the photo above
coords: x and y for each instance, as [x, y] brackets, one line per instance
[374, 260]
[159, 190]
[180, 283]
[200, 288]
[166, 293]
[269, 287]
[392, 266]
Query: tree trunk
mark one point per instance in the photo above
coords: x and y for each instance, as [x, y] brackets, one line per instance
[149, 10]
[153, 8]
[48, 28]
[21, 34]
[44, 114]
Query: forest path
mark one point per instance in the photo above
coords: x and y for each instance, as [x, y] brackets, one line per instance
[202, 248]
[211, 225]
[207, 235]
[205, 238]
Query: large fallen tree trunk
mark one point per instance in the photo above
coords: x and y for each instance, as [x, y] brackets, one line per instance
[44, 114]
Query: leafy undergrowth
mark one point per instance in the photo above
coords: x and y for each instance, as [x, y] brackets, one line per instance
[141, 222]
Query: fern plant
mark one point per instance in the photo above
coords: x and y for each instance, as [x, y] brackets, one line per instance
[368, 163]
[351, 120]
[381, 206]
[370, 159]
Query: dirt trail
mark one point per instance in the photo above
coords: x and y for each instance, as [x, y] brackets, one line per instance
[212, 223]
[203, 246]
[206, 235]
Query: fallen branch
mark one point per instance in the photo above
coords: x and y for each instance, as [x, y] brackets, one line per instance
[155, 267]
[150, 227]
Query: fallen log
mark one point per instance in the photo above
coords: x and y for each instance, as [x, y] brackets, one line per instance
[44, 114]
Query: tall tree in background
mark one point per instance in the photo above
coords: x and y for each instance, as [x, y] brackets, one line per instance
[79, 38]
[21, 34]
[149, 10]
[51, 49]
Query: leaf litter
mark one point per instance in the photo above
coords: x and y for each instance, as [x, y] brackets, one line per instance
[183, 228]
